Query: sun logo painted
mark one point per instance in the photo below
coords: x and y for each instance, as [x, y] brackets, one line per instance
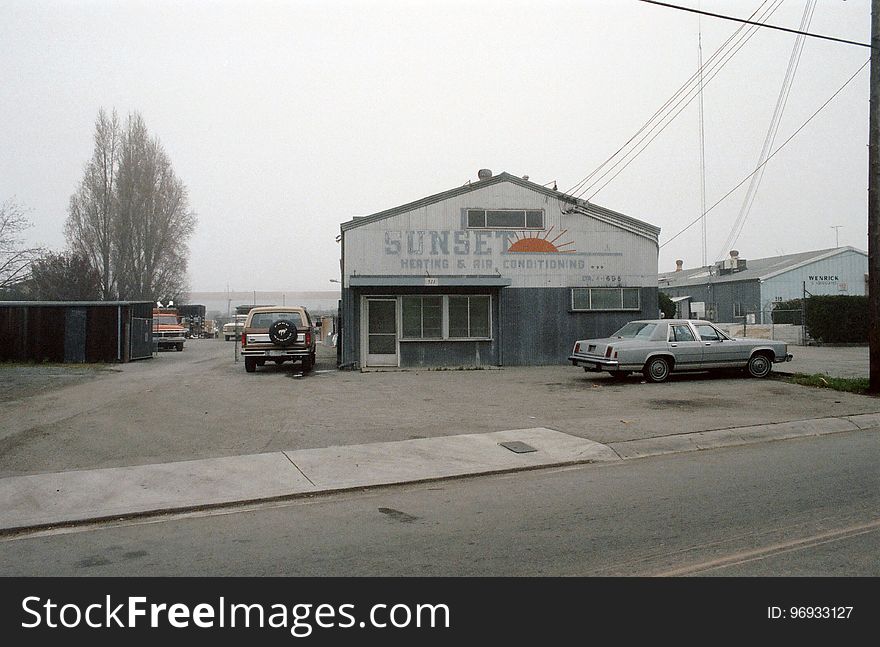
[540, 243]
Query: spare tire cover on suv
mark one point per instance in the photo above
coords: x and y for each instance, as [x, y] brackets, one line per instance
[282, 332]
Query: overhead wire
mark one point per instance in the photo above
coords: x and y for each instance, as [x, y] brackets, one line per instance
[771, 156]
[710, 61]
[773, 129]
[686, 95]
[749, 22]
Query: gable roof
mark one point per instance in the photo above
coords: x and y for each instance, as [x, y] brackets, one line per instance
[577, 206]
[757, 268]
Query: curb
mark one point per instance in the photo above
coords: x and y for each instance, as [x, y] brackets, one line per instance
[614, 452]
[732, 437]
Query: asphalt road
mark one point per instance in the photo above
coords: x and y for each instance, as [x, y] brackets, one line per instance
[202, 404]
[796, 507]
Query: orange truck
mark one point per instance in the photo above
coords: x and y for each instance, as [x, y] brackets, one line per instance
[167, 330]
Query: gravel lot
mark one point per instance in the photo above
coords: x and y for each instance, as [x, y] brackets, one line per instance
[200, 403]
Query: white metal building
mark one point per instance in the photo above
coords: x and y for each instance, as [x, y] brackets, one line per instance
[500, 271]
[736, 288]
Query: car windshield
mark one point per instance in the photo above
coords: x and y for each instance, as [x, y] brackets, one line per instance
[166, 320]
[636, 330]
[266, 319]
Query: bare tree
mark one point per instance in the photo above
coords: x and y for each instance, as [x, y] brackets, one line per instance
[67, 276]
[154, 221]
[15, 257]
[131, 214]
[91, 214]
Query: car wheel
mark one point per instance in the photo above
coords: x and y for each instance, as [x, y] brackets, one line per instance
[759, 366]
[282, 332]
[308, 363]
[250, 364]
[657, 369]
[179, 347]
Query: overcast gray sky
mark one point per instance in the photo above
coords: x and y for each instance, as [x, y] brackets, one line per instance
[286, 118]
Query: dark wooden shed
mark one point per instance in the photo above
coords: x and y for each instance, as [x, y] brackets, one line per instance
[75, 331]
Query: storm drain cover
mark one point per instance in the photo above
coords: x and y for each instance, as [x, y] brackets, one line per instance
[518, 447]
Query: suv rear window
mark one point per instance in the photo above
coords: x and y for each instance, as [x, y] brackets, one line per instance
[266, 319]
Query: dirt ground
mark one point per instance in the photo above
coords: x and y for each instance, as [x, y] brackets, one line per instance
[201, 404]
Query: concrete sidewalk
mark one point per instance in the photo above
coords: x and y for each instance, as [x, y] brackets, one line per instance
[43, 501]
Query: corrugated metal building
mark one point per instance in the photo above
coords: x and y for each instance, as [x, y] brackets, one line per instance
[736, 289]
[75, 331]
[501, 271]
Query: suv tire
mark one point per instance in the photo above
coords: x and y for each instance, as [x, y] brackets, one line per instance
[282, 332]
[250, 364]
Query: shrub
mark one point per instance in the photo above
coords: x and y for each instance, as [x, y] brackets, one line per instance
[837, 319]
[667, 307]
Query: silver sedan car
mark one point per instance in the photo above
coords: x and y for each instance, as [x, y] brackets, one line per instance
[659, 347]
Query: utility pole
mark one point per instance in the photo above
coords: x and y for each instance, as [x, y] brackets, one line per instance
[874, 205]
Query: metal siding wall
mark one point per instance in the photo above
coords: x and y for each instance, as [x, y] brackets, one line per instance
[75, 335]
[547, 338]
[449, 354]
[746, 293]
[140, 338]
[87, 333]
[349, 331]
[602, 249]
[10, 338]
[849, 267]
[43, 343]
[103, 334]
[525, 339]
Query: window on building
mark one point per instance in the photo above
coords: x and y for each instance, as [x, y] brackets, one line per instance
[469, 316]
[505, 219]
[605, 299]
[446, 317]
[738, 310]
[422, 317]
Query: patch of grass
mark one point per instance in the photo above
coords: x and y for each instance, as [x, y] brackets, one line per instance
[98, 366]
[849, 384]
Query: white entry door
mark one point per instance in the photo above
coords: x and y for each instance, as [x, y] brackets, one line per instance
[381, 331]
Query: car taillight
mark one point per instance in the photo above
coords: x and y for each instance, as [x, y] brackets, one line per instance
[577, 347]
[608, 351]
[243, 339]
[308, 338]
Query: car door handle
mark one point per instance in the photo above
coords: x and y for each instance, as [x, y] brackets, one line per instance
[708, 343]
[673, 345]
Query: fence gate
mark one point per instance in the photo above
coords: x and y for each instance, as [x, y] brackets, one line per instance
[141, 344]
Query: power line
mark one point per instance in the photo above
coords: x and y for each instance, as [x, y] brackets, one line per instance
[769, 157]
[772, 130]
[682, 103]
[684, 95]
[659, 114]
[733, 18]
